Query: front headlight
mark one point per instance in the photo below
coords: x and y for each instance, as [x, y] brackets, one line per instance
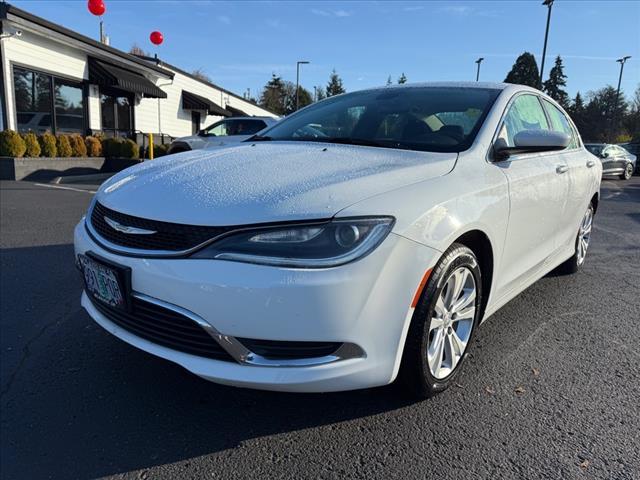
[316, 245]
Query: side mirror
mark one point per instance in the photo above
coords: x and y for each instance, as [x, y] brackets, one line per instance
[604, 155]
[530, 141]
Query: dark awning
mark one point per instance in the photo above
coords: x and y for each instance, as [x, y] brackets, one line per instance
[191, 101]
[236, 112]
[108, 75]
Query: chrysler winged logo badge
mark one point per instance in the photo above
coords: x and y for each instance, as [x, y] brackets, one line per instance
[126, 229]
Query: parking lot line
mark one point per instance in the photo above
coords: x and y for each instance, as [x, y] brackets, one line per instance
[64, 188]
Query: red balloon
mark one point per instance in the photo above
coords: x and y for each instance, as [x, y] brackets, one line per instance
[156, 38]
[97, 7]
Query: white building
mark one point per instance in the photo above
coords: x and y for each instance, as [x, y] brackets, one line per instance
[54, 79]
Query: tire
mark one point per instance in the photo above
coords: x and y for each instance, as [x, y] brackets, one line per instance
[576, 261]
[628, 172]
[417, 369]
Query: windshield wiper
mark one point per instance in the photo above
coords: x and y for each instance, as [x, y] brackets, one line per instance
[343, 141]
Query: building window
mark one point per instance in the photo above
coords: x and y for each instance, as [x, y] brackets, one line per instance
[117, 114]
[45, 103]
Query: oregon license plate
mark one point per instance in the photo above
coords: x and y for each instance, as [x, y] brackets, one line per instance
[103, 282]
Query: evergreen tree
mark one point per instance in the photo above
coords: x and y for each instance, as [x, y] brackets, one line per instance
[334, 87]
[320, 93]
[402, 79]
[524, 71]
[598, 122]
[557, 80]
[273, 96]
[632, 120]
[576, 110]
[389, 81]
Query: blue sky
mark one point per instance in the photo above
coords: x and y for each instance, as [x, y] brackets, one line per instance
[239, 44]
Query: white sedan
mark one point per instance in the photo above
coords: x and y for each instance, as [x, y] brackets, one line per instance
[362, 239]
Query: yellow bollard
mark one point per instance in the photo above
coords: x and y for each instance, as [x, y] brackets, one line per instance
[151, 146]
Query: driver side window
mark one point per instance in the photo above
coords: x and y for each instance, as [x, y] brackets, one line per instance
[525, 113]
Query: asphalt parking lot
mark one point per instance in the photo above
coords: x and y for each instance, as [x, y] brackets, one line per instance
[551, 389]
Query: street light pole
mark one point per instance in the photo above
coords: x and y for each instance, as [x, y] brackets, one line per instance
[301, 62]
[478, 61]
[621, 61]
[549, 4]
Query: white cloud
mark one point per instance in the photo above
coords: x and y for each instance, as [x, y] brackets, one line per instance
[465, 10]
[224, 19]
[330, 13]
[321, 13]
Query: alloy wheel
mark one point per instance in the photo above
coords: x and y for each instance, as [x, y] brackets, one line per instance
[628, 171]
[584, 235]
[451, 323]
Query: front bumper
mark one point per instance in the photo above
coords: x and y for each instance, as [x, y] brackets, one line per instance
[365, 303]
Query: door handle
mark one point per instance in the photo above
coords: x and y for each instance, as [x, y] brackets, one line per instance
[591, 163]
[562, 169]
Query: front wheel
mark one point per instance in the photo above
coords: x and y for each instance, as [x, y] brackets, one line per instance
[628, 172]
[582, 244]
[443, 323]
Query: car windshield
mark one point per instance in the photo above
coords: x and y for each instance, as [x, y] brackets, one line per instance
[438, 119]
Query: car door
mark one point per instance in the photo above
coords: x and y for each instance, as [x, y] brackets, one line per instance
[579, 176]
[538, 184]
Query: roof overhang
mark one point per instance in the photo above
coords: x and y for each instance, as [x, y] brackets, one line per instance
[236, 112]
[191, 101]
[109, 75]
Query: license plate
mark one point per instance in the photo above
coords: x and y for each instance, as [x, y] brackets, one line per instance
[105, 283]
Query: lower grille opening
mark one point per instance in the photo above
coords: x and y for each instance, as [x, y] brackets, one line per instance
[283, 350]
[164, 327]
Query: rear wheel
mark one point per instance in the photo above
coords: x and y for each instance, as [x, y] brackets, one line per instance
[628, 172]
[443, 323]
[582, 244]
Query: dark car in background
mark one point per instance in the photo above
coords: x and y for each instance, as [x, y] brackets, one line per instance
[615, 159]
[633, 149]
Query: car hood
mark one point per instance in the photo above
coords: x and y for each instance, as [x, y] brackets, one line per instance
[265, 182]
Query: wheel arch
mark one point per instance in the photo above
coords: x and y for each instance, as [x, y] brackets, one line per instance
[479, 242]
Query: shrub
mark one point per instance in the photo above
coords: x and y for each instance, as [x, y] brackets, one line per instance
[11, 144]
[64, 146]
[93, 146]
[160, 150]
[78, 147]
[33, 147]
[111, 147]
[129, 149]
[48, 147]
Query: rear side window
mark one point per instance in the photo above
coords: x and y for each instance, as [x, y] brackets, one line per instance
[525, 113]
[248, 127]
[560, 123]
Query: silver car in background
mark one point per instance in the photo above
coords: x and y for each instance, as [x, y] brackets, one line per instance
[223, 132]
[615, 159]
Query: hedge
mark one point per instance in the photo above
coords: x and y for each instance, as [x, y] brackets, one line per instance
[64, 146]
[48, 145]
[78, 147]
[11, 144]
[33, 147]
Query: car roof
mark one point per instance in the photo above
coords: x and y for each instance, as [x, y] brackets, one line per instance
[250, 118]
[482, 85]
